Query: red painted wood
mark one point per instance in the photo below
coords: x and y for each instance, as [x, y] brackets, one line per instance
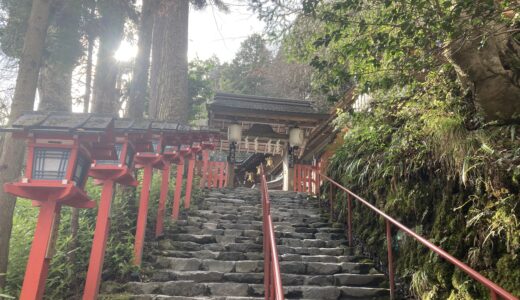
[72, 161]
[178, 190]
[189, 182]
[273, 288]
[161, 210]
[295, 179]
[142, 215]
[309, 180]
[38, 264]
[205, 161]
[209, 175]
[215, 175]
[222, 174]
[349, 219]
[226, 168]
[299, 189]
[97, 254]
[498, 290]
[390, 259]
[29, 159]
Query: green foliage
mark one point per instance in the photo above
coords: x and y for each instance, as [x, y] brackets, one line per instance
[202, 82]
[247, 73]
[412, 155]
[66, 277]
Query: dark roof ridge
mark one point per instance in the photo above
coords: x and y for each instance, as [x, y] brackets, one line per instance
[254, 98]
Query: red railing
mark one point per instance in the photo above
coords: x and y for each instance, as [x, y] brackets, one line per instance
[273, 288]
[215, 175]
[314, 181]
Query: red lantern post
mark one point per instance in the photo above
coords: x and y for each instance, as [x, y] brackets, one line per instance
[60, 148]
[107, 172]
[170, 155]
[184, 151]
[206, 147]
[195, 149]
[148, 161]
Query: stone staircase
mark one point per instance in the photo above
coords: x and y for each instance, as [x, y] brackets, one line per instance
[216, 253]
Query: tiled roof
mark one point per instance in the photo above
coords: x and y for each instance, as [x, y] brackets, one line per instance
[83, 123]
[225, 100]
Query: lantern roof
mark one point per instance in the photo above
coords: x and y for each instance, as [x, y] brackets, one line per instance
[266, 104]
[80, 122]
[62, 122]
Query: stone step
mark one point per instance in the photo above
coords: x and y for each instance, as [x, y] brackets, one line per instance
[195, 264]
[186, 288]
[319, 268]
[367, 280]
[207, 254]
[164, 297]
[309, 243]
[338, 251]
[327, 292]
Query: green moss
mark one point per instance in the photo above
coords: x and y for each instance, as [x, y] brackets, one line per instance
[413, 156]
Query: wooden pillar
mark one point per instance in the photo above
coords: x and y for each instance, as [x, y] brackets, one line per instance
[288, 173]
[97, 254]
[178, 189]
[205, 163]
[41, 251]
[189, 181]
[161, 210]
[142, 215]
[230, 176]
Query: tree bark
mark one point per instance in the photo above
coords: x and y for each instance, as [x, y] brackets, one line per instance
[11, 158]
[170, 95]
[88, 75]
[55, 85]
[106, 96]
[63, 50]
[139, 87]
[491, 71]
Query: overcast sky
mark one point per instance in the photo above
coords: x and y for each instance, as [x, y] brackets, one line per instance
[216, 33]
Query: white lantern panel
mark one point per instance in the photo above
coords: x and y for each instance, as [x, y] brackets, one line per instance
[234, 133]
[50, 164]
[296, 137]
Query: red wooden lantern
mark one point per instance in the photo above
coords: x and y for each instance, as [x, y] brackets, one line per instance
[206, 147]
[170, 155]
[148, 161]
[195, 149]
[60, 148]
[109, 172]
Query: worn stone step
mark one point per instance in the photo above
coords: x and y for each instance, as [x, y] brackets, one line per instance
[327, 292]
[308, 243]
[195, 264]
[207, 276]
[319, 258]
[339, 251]
[319, 268]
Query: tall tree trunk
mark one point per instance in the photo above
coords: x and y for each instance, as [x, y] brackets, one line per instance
[139, 87]
[64, 50]
[54, 87]
[157, 44]
[11, 158]
[170, 98]
[106, 96]
[491, 71]
[88, 76]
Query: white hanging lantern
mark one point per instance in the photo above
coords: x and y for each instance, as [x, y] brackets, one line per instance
[235, 133]
[296, 137]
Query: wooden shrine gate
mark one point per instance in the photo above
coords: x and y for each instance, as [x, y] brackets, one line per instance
[215, 175]
[306, 179]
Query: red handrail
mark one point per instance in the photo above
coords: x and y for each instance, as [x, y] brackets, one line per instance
[494, 289]
[273, 288]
